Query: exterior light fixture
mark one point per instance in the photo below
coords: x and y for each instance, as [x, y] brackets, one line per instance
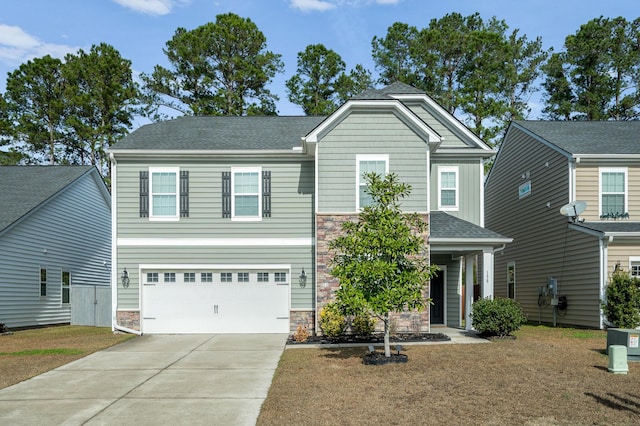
[303, 279]
[125, 278]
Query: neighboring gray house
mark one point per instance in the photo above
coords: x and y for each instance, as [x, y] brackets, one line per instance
[221, 224]
[55, 228]
[541, 167]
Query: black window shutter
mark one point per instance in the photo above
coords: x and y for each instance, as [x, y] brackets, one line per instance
[184, 193]
[266, 193]
[144, 193]
[226, 194]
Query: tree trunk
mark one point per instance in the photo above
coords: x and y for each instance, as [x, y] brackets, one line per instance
[387, 345]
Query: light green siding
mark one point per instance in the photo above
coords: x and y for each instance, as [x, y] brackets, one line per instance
[452, 137]
[292, 197]
[469, 186]
[369, 134]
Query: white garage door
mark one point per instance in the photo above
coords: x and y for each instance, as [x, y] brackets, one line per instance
[222, 300]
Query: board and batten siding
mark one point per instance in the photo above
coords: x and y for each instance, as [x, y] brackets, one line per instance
[469, 186]
[588, 189]
[292, 197]
[542, 246]
[370, 134]
[70, 232]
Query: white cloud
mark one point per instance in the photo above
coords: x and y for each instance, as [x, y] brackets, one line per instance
[312, 5]
[150, 7]
[18, 46]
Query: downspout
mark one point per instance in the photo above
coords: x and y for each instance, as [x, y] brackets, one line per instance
[114, 245]
[126, 330]
[604, 262]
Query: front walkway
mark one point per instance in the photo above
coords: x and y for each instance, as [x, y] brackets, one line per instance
[197, 379]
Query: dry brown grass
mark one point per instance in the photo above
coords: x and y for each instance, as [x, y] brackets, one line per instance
[546, 376]
[27, 353]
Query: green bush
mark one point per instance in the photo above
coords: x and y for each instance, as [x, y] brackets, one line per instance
[363, 324]
[332, 321]
[622, 304]
[497, 317]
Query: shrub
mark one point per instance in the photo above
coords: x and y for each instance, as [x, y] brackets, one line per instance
[622, 304]
[332, 321]
[302, 334]
[497, 317]
[363, 324]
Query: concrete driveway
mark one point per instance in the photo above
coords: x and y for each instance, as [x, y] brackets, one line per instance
[197, 379]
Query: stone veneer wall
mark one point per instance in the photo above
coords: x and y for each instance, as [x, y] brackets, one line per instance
[302, 318]
[128, 319]
[328, 227]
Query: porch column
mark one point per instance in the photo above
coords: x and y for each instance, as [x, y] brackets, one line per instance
[487, 274]
[468, 291]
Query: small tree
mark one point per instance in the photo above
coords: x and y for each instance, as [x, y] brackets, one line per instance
[380, 259]
[622, 304]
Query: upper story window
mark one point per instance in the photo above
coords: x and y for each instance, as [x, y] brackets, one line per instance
[246, 194]
[448, 188]
[378, 164]
[613, 192]
[163, 193]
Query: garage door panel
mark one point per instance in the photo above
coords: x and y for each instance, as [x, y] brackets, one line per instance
[215, 307]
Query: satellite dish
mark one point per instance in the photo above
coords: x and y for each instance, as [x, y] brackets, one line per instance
[573, 209]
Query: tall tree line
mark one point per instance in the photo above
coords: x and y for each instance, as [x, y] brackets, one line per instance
[70, 111]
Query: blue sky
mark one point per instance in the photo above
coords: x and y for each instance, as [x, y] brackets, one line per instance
[139, 29]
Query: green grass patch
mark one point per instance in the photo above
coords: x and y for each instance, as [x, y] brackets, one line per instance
[31, 352]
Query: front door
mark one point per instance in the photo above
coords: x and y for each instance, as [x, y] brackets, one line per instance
[437, 298]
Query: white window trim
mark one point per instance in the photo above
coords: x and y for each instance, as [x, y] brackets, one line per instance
[624, 170]
[633, 259]
[235, 170]
[175, 170]
[368, 157]
[449, 169]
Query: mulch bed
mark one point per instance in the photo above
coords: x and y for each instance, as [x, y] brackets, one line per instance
[374, 339]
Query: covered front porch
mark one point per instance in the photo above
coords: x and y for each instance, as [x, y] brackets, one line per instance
[464, 252]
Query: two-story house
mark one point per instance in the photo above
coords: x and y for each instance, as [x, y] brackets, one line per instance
[567, 193]
[221, 224]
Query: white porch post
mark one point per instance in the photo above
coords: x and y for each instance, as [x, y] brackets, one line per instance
[468, 292]
[487, 274]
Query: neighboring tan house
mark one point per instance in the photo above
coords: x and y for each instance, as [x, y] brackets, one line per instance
[560, 262]
[222, 223]
[55, 250]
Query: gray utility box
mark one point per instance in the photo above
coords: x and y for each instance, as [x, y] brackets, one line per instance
[625, 337]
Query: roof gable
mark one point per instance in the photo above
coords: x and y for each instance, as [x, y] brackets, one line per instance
[25, 188]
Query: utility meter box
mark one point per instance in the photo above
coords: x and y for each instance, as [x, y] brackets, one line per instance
[625, 337]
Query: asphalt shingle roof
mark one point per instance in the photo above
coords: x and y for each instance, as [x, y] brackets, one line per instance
[443, 225]
[622, 226]
[589, 137]
[23, 188]
[221, 133]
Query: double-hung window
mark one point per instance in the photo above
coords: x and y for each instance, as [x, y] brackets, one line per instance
[378, 164]
[448, 188]
[164, 193]
[613, 191]
[634, 267]
[246, 198]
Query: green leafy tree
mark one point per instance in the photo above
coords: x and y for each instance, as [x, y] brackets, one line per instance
[380, 259]
[597, 76]
[622, 304]
[220, 68]
[393, 54]
[100, 95]
[35, 107]
[321, 83]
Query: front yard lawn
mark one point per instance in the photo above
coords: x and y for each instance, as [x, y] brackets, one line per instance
[27, 353]
[546, 376]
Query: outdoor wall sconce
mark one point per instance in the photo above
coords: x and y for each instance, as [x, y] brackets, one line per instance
[303, 279]
[125, 278]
